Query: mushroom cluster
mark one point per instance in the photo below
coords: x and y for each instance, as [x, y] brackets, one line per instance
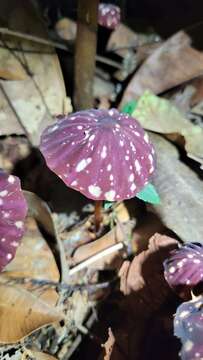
[13, 209]
[104, 154]
[188, 326]
[184, 268]
[184, 273]
[109, 15]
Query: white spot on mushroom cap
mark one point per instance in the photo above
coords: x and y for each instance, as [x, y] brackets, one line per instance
[133, 187]
[172, 269]
[104, 152]
[109, 167]
[110, 195]
[91, 138]
[121, 142]
[146, 138]
[74, 183]
[184, 313]
[94, 190]
[83, 164]
[150, 157]
[131, 177]
[9, 256]
[19, 224]
[196, 261]
[188, 345]
[1, 202]
[11, 179]
[137, 166]
[3, 193]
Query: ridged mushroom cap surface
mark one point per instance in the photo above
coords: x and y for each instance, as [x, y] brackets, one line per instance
[183, 270]
[104, 154]
[13, 210]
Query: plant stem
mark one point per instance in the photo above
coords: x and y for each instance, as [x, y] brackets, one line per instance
[85, 53]
[98, 214]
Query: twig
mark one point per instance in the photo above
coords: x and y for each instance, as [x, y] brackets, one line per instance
[58, 285]
[63, 261]
[33, 38]
[96, 257]
[55, 44]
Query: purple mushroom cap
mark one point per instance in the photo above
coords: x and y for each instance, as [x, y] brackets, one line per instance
[109, 15]
[184, 267]
[13, 209]
[188, 326]
[104, 154]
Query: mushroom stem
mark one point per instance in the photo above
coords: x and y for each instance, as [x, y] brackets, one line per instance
[85, 53]
[98, 214]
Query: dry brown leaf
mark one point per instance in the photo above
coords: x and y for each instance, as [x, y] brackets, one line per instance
[181, 193]
[27, 105]
[123, 38]
[34, 260]
[171, 64]
[144, 274]
[22, 312]
[38, 209]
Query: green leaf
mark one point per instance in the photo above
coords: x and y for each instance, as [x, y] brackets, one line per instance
[130, 107]
[149, 194]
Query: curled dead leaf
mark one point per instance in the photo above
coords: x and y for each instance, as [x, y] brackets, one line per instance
[144, 275]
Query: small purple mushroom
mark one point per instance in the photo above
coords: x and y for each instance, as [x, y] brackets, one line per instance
[184, 268]
[188, 326]
[104, 154]
[13, 209]
[109, 16]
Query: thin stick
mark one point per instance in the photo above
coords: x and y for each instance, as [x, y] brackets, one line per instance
[96, 257]
[58, 45]
[33, 38]
[85, 53]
